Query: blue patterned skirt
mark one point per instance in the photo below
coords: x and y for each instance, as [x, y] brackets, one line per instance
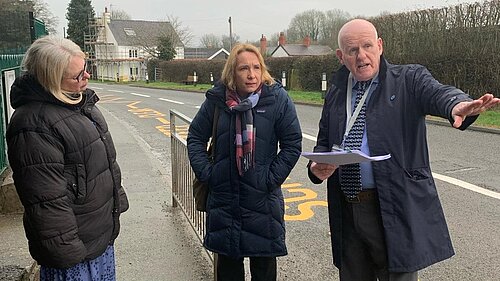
[101, 268]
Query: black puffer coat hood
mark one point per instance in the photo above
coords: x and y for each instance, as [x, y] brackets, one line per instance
[26, 89]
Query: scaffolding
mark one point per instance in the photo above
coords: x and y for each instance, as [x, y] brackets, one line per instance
[105, 60]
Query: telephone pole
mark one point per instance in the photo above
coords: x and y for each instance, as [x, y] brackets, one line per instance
[230, 35]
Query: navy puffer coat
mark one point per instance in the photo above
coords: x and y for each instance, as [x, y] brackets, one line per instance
[245, 215]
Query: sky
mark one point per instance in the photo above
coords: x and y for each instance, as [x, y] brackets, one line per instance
[250, 19]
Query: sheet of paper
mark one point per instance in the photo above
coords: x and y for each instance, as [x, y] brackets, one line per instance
[342, 157]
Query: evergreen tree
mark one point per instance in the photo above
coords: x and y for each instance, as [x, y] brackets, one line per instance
[166, 50]
[78, 15]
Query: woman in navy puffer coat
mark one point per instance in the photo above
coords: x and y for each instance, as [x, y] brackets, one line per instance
[245, 208]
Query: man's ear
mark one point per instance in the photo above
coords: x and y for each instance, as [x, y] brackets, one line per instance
[339, 54]
[380, 44]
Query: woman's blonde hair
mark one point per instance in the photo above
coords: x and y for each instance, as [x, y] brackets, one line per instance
[228, 74]
[47, 60]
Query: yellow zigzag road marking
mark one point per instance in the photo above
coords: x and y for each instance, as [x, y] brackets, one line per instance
[112, 99]
[163, 120]
[308, 195]
[288, 185]
[165, 129]
[146, 112]
[132, 105]
[305, 210]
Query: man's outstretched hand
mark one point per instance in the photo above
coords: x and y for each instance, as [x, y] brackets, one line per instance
[471, 108]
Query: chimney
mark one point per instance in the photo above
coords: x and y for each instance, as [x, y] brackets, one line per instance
[307, 41]
[263, 45]
[282, 40]
[107, 16]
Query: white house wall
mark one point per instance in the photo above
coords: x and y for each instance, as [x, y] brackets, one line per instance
[279, 53]
[179, 53]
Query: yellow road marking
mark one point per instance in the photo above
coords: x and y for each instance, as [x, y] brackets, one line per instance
[305, 211]
[289, 185]
[132, 105]
[163, 120]
[308, 195]
[146, 112]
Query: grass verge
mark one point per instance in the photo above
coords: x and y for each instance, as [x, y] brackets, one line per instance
[489, 118]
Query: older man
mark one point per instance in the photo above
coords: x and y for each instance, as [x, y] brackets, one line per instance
[386, 219]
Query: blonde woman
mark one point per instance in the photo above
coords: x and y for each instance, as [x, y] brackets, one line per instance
[64, 165]
[245, 208]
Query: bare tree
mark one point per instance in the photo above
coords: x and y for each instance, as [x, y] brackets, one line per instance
[307, 23]
[39, 8]
[183, 32]
[334, 19]
[15, 25]
[211, 41]
[41, 11]
[272, 41]
[226, 41]
[118, 14]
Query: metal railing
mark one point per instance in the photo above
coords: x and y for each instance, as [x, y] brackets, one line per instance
[183, 175]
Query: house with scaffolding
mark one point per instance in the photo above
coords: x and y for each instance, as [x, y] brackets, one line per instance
[120, 49]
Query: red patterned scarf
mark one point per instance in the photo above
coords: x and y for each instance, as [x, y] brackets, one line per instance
[245, 131]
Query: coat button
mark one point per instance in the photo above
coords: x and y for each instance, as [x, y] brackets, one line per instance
[393, 97]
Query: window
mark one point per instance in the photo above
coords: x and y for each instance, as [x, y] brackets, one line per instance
[129, 31]
[132, 53]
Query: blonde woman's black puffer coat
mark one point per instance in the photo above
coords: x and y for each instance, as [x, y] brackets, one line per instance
[65, 171]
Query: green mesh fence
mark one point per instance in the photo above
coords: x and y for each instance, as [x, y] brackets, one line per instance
[9, 60]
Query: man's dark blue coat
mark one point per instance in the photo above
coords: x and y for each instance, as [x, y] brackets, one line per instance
[415, 228]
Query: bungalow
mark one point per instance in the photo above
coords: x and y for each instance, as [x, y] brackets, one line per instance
[304, 49]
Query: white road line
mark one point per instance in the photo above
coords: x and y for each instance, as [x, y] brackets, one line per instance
[116, 91]
[96, 88]
[172, 101]
[447, 179]
[461, 170]
[309, 137]
[140, 95]
[467, 185]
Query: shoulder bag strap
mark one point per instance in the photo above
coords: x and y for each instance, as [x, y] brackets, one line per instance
[214, 132]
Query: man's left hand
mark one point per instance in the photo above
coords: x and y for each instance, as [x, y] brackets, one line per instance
[471, 108]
